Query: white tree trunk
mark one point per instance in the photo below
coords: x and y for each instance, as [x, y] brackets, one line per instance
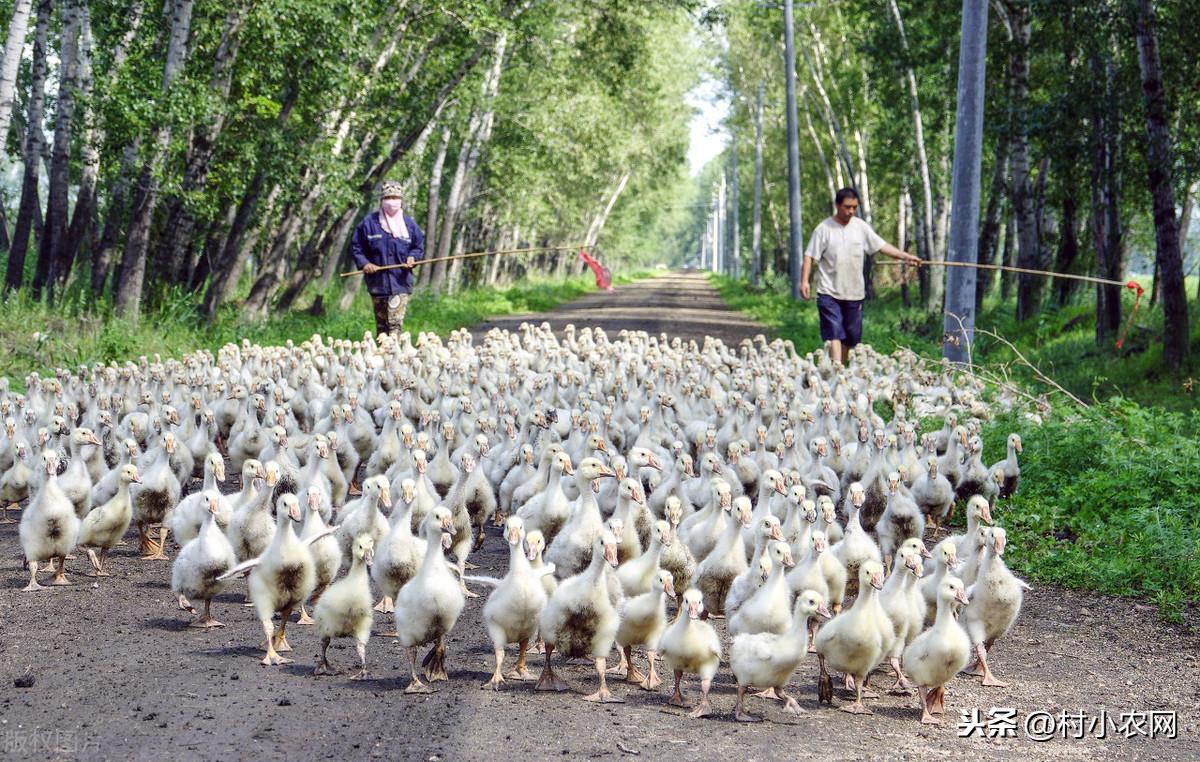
[18, 26]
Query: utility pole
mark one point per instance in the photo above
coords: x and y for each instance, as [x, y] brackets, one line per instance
[959, 318]
[736, 252]
[793, 152]
[722, 263]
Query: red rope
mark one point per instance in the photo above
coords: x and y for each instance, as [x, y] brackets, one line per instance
[1132, 285]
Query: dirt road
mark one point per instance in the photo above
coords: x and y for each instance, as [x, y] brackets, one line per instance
[118, 675]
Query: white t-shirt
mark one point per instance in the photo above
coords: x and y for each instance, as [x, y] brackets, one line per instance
[838, 252]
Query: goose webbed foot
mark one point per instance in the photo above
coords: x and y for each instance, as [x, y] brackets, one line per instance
[184, 604]
[385, 605]
[652, 680]
[272, 658]
[435, 663]
[304, 617]
[824, 686]
[323, 668]
[521, 673]
[703, 709]
[33, 585]
[789, 704]
[603, 695]
[927, 699]
[769, 693]
[739, 712]
[677, 697]
[548, 680]
[857, 707]
[60, 577]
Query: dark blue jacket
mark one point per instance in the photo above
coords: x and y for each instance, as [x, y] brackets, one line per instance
[371, 243]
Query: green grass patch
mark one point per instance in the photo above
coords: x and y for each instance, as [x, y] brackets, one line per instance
[1109, 495]
[1108, 502]
[1060, 341]
[39, 337]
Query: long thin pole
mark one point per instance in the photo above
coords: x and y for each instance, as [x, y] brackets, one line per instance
[736, 247]
[420, 262]
[756, 227]
[1011, 269]
[959, 305]
[793, 149]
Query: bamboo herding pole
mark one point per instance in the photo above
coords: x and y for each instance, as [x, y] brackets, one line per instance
[1011, 269]
[420, 262]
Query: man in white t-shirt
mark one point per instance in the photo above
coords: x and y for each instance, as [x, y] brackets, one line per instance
[838, 246]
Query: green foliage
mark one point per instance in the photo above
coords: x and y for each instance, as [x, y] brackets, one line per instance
[76, 332]
[1108, 502]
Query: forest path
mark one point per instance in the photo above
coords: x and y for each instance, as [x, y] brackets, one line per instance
[120, 676]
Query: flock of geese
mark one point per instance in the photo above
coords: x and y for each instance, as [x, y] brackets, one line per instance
[627, 477]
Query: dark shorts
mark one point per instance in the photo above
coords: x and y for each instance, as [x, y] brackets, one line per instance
[841, 319]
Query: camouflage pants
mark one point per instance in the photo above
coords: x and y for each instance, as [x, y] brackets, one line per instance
[389, 313]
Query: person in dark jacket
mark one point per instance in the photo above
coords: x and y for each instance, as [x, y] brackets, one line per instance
[388, 236]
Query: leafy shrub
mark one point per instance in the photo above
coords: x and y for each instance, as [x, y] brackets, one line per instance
[1109, 500]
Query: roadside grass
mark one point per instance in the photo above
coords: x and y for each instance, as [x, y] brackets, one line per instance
[1110, 495]
[39, 337]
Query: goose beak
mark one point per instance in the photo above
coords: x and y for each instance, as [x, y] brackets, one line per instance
[569, 470]
[638, 497]
[776, 533]
[999, 543]
[369, 558]
[726, 500]
[136, 479]
[821, 544]
[669, 587]
[914, 566]
[447, 540]
[294, 511]
[385, 497]
[693, 610]
[877, 581]
[925, 552]
[407, 494]
[824, 612]
[788, 562]
[92, 439]
[961, 597]
[986, 514]
[654, 462]
[610, 554]
[219, 472]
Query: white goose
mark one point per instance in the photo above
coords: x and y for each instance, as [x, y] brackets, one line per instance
[49, 526]
[200, 564]
[344, 611]
[580, 620]
[428, 605]
[512, 610]
[769, 660]
[935, 656]
[105, 525]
